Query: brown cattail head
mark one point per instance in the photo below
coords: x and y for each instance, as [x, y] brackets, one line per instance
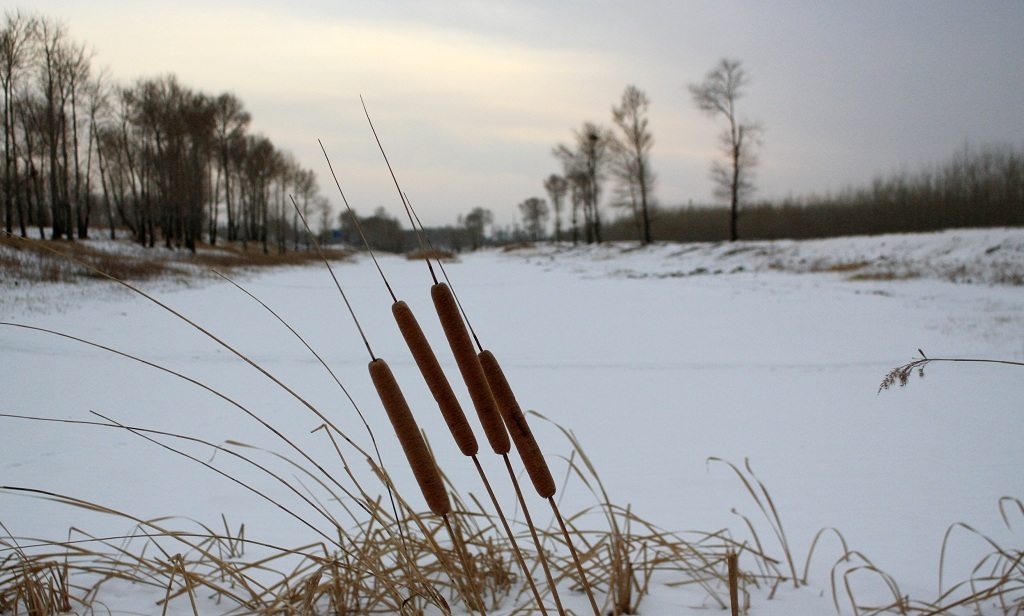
[469, 365]
[422, 463]
[522, 436]
[435, 378]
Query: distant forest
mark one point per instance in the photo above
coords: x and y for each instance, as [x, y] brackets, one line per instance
[978, 188]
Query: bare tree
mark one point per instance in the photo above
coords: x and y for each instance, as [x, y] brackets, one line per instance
[176, 131]
[535, 214]
[97, 93]
[28, 110]
[585, 166]
[15, 54]
[129, 183]
[306, 190]
[286, 171]
[633, 161]
[258, 168]
[51, 37]
[475, 224]
[232, 120]
[76, 60]
[717, 96]
[577, 181]
[556, 187]
[323, 209]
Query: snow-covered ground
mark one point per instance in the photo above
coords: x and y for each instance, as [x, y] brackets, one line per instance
[656, 358]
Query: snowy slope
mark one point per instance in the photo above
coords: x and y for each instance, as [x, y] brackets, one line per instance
[987, 256]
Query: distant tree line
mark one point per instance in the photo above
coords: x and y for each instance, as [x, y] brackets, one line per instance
[382, 232]
[155, 157]
[982, 187]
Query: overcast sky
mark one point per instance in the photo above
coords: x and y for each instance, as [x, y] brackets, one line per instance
[470, 97]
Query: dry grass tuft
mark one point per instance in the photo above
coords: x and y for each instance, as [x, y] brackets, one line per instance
[234, 256]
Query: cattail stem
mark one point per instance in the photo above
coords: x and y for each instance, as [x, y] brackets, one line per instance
[533, 533]
[422, 463]
[732, 561]
[469, 574]
[526, 445]
[469, 366]
[401, 195]
[575, 557]
[515, 545]
[355, 221]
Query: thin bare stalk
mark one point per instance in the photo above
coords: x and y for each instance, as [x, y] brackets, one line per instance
[533, 533]
[515, 545]
[467, 566]
[575, 556]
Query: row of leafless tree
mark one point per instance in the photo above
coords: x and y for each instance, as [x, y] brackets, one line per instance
[166, 162]
[597, 153]
[623, 153]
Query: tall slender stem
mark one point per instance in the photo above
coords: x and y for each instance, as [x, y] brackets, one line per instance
[512, 539]
[533, 532]
[575, 557]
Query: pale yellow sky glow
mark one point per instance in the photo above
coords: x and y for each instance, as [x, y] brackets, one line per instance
[470, 98]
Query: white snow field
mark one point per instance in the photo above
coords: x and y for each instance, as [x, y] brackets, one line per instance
[657, 359]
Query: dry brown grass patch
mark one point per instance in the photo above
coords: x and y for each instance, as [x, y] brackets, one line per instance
[883, 276]
[851, 266]
[228, 256]
[66, 261]
[436, 254]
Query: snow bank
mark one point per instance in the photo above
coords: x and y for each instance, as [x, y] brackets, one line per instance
[980, 256]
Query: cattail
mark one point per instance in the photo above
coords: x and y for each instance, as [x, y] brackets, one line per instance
[435, 378]
[526, 444]
[469, 366]
[422, 463]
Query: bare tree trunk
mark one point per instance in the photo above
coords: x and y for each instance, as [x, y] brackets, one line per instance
[81, 204]
[734, 188]
[212, 217]
[104, 185]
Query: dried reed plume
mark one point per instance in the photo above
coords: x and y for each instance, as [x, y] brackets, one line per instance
[901, 374]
